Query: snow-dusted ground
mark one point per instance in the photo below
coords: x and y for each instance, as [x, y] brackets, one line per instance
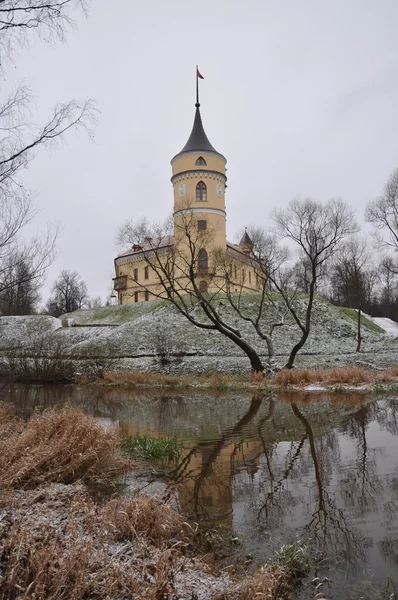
[128, 336]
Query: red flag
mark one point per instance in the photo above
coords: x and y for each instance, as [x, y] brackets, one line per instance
[198, 74]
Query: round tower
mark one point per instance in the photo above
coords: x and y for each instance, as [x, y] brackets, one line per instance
[199, 182]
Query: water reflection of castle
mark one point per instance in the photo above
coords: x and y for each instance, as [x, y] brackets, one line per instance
[205, 473]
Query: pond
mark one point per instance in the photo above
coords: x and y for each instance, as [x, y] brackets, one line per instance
[274, 468]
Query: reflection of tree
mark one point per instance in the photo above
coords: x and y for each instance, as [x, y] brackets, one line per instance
[277, 499]
[389, 549]
[210, 453]
[387, 415]
[168, 408]
[361, 484]
[329, 528]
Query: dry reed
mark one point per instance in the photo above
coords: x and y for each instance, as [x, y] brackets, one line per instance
[59, 565]
[58, 446]
[341, 375]
[150, 518]
[270, 583]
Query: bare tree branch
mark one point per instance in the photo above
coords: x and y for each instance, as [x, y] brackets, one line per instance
[318, 230]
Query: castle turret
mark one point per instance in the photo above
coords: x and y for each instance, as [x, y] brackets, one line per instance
[199, 181]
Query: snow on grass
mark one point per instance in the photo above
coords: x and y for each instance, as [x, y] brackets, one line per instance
[333, 332]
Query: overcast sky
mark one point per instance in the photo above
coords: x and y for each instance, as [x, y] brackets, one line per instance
[300, 96]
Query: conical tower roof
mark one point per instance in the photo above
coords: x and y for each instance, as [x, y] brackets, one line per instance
[246, 240]
[198, 140]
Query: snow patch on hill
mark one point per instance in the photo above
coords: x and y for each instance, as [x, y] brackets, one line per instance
[389, 326]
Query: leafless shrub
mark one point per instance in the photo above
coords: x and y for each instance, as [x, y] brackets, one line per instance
[94, 369]
[42, 359]
[166, 349]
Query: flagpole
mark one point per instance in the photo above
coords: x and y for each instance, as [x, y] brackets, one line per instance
[197, 88]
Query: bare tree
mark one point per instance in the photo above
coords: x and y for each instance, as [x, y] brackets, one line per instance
[20, 138]
[317, 230]
[352, 279]
[265, 313]
[383, 212]
[388, 288]
[19, 293]
[49, 19]
[69, 293]
[174, 253]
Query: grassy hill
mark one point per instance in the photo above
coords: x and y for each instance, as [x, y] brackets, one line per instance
[134, 330]
[134, 335]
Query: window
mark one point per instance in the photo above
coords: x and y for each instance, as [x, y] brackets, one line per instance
[146, 295]
[202, 261]
[202, 225]
[135, 274]
[250, 276]
[146, 272]
[200, 162]
[203, 287]
[230, 269]
[235, 271]
[201, 192]
[135, 296]
[243, 275]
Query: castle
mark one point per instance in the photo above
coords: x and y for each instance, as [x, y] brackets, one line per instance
[196, 250]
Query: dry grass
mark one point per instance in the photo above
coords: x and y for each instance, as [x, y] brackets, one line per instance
[335, 376]
[150, 518]
[270, 583]
[129, 548]
[222, 382]
[57, 446]
[145, 379]
[256, 378]
[56, 565]
[58, 543]
[217, 381]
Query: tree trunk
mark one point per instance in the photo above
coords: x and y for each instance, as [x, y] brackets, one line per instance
[295, 349]
[252, 355]
[359, 336]
[270, 348]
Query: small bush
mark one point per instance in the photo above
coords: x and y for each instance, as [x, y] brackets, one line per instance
[59, 446]
[146, 447]
[43, 359]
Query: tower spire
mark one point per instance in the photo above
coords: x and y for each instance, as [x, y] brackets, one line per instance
[197, 88]
[198, 140]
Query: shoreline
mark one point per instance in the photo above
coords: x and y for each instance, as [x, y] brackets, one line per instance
[333, 379]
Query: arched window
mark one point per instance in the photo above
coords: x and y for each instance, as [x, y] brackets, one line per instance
[200, 162]
[203, 262]
[201, 192]
[203, 286]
